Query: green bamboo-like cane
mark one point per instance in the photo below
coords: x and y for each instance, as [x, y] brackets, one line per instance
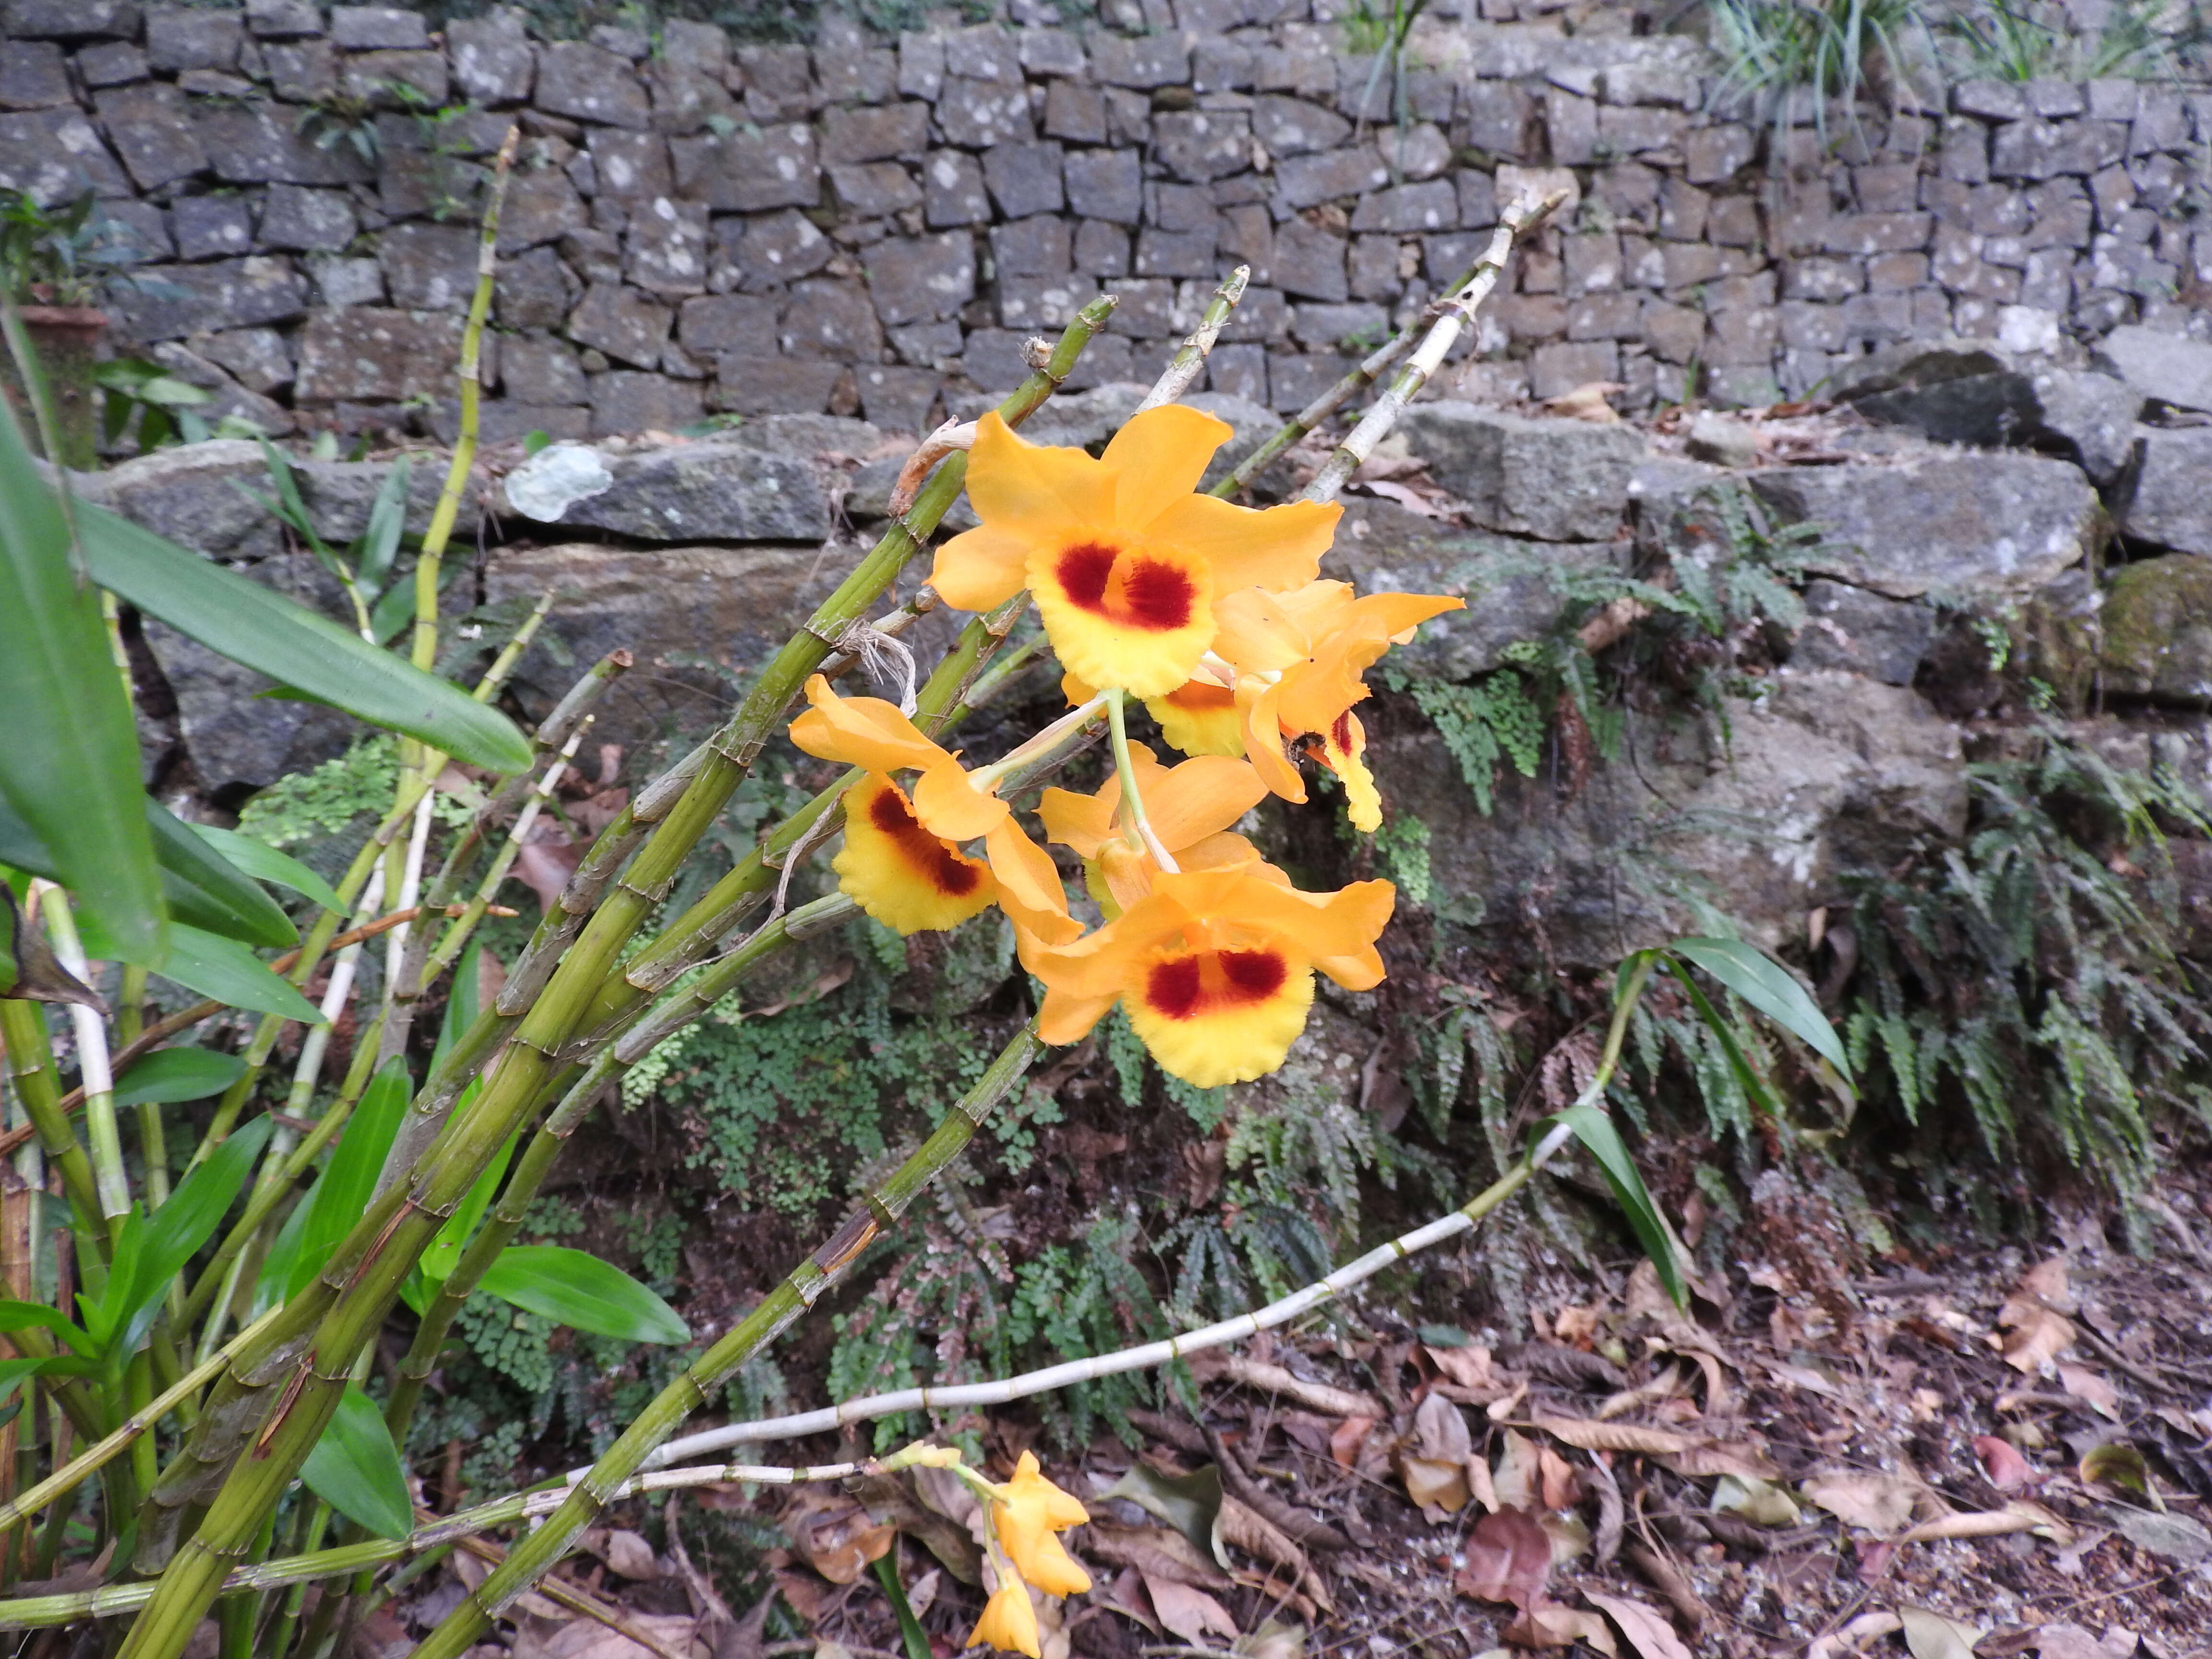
[533, 1556]
[337, 1316]
[38, 1086]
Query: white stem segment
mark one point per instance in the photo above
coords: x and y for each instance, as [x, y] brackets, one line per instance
[410, 887]
[1189, 360]
[1143, 1357]
[105, 1139]
[1526, 214]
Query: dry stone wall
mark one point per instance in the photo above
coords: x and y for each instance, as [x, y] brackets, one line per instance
[873, 227]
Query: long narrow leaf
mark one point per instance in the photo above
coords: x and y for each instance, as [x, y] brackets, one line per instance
[387, 517]
[180, 1226]
[199, 888]
[68, 765]
[226, 970]
[355, 1468]
[253, 625]
[349, 1180]
[1766, 987]
[1739, 1062]
[1595, 1132]
[582, 1290]
[173, 1074]
[265, 863]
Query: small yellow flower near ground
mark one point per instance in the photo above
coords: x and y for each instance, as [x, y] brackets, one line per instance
[1213, 967]
[1125, 561]
[1026, 1514]
[1009, 1620]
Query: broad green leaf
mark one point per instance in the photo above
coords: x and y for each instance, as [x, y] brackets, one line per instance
[1763, 984]
[582, 1290]
[439, 1261]
[245, 910]
[226, 970]
[1595, 1132]
[387, 517]
[177, 1230]
[264, 631]
[172, 1074]
[68, 765]
[276, 1266]
[355, 1469]
[1724, 1034]
[1191, 1503]
[13, 1371]
[342, 1192]
[265, 863]
[20, 1315]
[201, 889]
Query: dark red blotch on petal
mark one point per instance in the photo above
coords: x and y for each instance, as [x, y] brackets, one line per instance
[953, 875]
[1159, 596]
[1178, 988]
[1154, 595]
[1084, 571]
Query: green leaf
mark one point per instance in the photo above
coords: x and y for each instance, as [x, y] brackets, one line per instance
[387, 517]
[173, 1074]
[265, 863]
[22, 1316]
[226, 970]
[225, 899]
[200, 888]
[1724, 1034]
[1191, 1503]
[176, 1230]
[1767, 986]
[1594, 1130]
[580, 1290]
[264, 631]
[341, 1194]
[355, 1469]
[69, 767]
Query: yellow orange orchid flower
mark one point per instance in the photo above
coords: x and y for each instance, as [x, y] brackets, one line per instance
[1025, 1514]
[1124, 560]
[1199, 717]
[1190, 807]
[898, 872]
[1009, 1621]
[949, 805]
[1214, 968]
[1298, 658]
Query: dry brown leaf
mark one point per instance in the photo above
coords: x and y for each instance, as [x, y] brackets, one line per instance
[1712, 1457]
[1351, 1434]
[628, 1554]
[1575, 1326]
[836, 1536]
[1469, 1367]
[1562, 1627]
[2035, 1339]
[2047, 1281]
[1506, 1405]
[1854, 1636]
[1190, 1612]
[2015, 1516]
[1155, 1552]
[1647, 1630]
[1880, 1503]
[1252, 1532]
[1518, 1479]
[1932, 1636]
[1438, 1488]
[1479, 1482]
[2090, 1390]
[1667, 1382]
[2007, 1471]
[1128, 1597]
[1508, 1559]
[1585, 1435]
[586, 1638]
[1440, 1431]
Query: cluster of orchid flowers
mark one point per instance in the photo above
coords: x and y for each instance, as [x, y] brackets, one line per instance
[1213, 616]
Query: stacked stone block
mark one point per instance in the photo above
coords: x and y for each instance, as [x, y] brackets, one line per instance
[699, 226]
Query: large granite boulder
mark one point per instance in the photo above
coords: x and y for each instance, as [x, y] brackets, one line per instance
[1829, 772]
[2158, 630]
[716, 491]
[696, 619]
[2170, 368]
[1939, 520]
[2171, 505]
[1972, 392]
[1556, 480]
